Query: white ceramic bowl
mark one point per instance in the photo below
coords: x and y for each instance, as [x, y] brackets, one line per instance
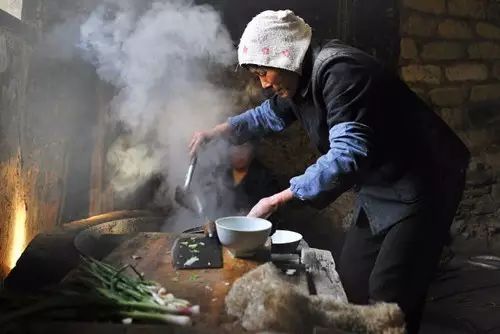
[242, 235]
[284, 241]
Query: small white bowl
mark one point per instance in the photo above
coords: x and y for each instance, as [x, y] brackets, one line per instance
[284, 241]
[242, 235]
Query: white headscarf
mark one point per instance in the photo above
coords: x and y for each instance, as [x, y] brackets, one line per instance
[276, 39]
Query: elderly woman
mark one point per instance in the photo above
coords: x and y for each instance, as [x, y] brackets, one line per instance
[375, 136]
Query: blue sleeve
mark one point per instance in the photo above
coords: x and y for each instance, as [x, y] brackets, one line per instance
[350, 99]
[336, 171]
[269, 117]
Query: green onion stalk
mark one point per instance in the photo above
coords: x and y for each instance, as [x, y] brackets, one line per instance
[104, 290]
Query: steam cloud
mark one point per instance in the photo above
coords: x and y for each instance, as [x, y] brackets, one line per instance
[160, 57]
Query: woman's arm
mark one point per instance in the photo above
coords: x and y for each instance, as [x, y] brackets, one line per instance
[349, 96]
[332, 174]
[338, 170]
[273, 115]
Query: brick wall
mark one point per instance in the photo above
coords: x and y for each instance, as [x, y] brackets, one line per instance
[450, 56]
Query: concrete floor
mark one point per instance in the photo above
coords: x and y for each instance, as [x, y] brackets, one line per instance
[463, 299]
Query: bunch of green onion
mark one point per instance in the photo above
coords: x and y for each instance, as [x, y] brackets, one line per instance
[99, 291]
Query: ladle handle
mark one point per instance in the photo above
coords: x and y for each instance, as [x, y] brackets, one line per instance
[190, 172]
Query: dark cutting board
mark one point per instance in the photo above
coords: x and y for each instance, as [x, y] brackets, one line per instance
[207, 250]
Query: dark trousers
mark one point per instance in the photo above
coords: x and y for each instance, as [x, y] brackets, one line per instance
[395, 266]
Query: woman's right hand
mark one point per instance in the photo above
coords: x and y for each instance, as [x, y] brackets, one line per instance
[198, 139]
[202, 137]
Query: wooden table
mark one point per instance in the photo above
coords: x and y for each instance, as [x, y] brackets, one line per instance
[204, 287]
[208, 287]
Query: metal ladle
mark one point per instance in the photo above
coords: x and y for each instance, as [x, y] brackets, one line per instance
[188, 199]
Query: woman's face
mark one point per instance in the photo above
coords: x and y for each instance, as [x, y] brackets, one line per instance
[282, 82]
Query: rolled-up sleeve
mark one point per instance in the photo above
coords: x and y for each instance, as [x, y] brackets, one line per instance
[273, 115]
[349, 99]
[337, 170]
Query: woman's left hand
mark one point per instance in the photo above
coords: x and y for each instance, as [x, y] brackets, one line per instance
[263, 209]
[268, 205]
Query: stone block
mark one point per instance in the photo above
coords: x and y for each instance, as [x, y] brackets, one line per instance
[461, 213]
[479, 177]
[496, 70]
[485, 115]
[485, 92]
[495, 192]
[493, 155]
[468, 203]
[454, 117]
[448, 96]
[443, 51]
[466, 72]
[408, 49]
[479, 224]
[455, 29]
[476, 139]
[426, 6]
[485, 205]
[430, 74]
[492, 159]
[488, 30]
[479, 191]
[476, 163]
[457, 227]
[467, 8]
[416, 25]
[484, 50]
[482, 119]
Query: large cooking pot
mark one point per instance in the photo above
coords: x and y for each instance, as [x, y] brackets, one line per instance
[99, 240]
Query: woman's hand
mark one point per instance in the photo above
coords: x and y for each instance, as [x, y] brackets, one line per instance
[268, 205]
[264, 208]
[200, 138]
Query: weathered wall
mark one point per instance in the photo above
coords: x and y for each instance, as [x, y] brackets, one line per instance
[62, 100]
[450, 55]
[15, 179]
[46, 139]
